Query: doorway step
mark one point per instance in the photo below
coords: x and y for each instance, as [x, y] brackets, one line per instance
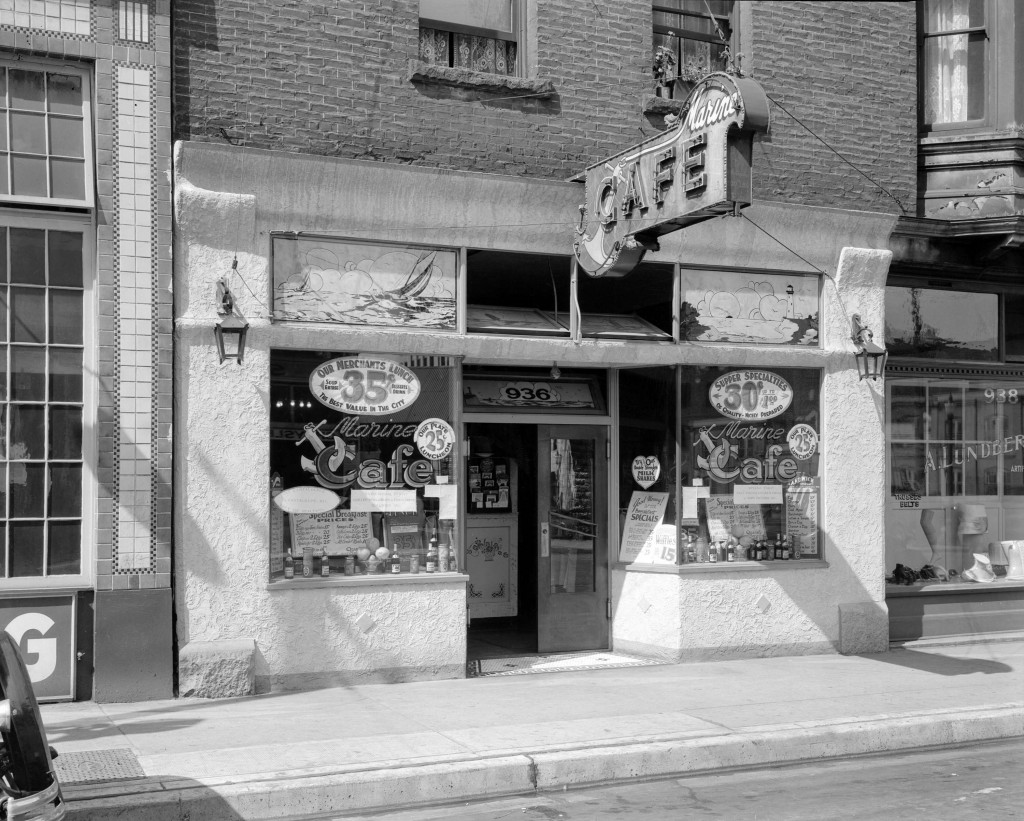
[555, 663]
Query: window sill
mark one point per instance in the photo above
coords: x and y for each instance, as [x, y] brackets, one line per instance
[426, 74]
[930, 588]
[376, 580]
[722, 567]
[653, 104]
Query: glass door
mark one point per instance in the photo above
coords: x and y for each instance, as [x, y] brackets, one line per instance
[572, 577]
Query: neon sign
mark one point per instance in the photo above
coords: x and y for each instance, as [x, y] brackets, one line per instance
[697, 170]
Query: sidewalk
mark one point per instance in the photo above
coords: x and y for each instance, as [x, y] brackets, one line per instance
[351, 749]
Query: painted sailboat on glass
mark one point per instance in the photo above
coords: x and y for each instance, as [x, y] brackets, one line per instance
[320, 280]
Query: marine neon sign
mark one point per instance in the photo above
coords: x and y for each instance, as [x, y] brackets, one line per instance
[698, 169]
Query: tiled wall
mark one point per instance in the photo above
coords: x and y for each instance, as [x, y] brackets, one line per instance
[127, 44]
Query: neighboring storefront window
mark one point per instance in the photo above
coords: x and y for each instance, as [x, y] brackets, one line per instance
[363, 469]
[748, 486]
[956, 475]
[930, 323]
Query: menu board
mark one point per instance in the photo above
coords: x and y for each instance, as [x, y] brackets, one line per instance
[276, 528]
[336, 531]
[802, 519]
[727, 519]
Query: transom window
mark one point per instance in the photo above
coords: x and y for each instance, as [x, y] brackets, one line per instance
[480, 36]
[45, 135]
[953, 63]
[696, 33]
[42, 400]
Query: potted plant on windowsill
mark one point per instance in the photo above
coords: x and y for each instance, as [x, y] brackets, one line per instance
[664, 62]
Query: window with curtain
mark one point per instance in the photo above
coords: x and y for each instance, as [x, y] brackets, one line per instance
[696, 33]
[953, 62]
[479, 36]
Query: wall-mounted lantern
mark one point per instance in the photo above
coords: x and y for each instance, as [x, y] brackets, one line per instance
[871, 357]
[232, 328]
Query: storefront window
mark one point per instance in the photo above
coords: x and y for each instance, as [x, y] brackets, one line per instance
[363, 470]
[748, 487]
[941, 324]
[956, 473]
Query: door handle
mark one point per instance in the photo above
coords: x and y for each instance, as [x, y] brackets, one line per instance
[545, 539]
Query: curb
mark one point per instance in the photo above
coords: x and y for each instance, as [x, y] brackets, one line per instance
[406, 784]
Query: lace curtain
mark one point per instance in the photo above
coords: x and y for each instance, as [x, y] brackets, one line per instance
[947, 62]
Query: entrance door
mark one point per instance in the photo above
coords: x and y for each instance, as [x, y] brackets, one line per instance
[572, 509]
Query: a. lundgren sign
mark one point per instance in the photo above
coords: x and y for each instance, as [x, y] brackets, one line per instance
[698, 169]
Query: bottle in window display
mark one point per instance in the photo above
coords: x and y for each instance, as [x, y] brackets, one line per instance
[396, 561]
[325, 563]
[730, 551]
[289, 565]
[431, 563]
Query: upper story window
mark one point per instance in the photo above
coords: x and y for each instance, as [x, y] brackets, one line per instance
[696, 32]
[953, 63]
[480, 36]
[45, 135]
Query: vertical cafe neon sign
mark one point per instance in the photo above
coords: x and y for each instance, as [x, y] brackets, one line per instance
[698, 169]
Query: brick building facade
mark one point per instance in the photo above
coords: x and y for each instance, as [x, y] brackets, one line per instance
[321, 147]
[86, 578]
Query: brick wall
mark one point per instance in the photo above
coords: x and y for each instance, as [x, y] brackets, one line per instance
[332, 79]
[847, 71]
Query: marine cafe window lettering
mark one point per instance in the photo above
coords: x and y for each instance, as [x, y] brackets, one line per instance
[746, 489]
[363, 474]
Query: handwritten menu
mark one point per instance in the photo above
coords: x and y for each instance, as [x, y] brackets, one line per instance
[645, 512]
[336, 531]
[802, 519]
[727, 519]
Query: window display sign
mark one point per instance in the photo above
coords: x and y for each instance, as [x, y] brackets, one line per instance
[321, 279]
[802, 518]
[357, 385]
[435, 438]
[309, 499]
[645, 513]
[646, 470]
[726, 519]
[750, 395]
[337, 531]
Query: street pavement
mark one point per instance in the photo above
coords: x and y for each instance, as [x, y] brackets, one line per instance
[370, 747]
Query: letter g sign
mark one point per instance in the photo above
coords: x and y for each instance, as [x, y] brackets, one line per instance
[44, 649]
